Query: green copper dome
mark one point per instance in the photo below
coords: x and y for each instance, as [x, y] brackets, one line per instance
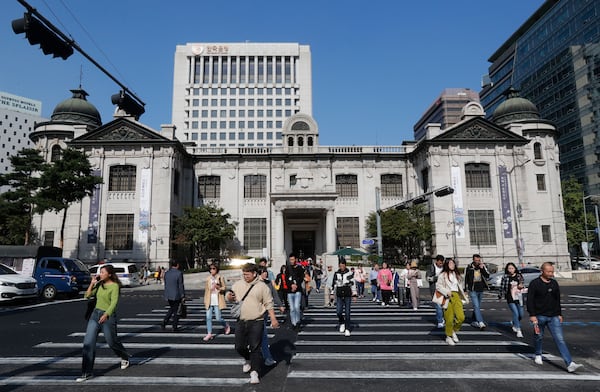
[515, 109]
[77, 110]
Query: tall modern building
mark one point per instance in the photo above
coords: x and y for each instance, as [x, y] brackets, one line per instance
[239, 94]
[18, 116]
[554, 60]
[446, 110]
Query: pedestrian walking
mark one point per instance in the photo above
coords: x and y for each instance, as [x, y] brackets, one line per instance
[543, 306]
[359, 278]
[345, 292]
[318, 276]
[511, 288]
[329, 293]
[282, 287]
[375, 292]
[214, 301]
[384, 280]
[450, 284]
[256, 300]
[174, 294]
[266, 351]
[432, 275]
[414, 277]
[106, 288]
[476, 275]
[295, 279]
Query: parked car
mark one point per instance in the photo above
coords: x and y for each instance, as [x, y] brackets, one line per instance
[529, 274]
[13, 285]
[128, 273]
[587, 263]
[56, 275]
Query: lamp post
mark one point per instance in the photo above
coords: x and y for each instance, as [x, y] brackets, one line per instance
[378, 217]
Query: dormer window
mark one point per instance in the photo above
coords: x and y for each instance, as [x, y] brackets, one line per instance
[537, 151]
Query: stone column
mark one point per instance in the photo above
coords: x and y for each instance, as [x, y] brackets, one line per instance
[330, 229]
[279, 233]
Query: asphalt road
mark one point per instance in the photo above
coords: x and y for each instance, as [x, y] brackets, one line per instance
[390, 349]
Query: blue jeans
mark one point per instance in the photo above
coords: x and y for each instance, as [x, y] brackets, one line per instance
[517, 314]
[476, 298]
[109, 329]
[343, 305]
[360, 288]
[266, 352]
[295, 299]
[439, 313]
[209, 312]
[555, 327]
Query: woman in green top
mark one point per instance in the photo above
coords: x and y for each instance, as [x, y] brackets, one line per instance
[106, 287]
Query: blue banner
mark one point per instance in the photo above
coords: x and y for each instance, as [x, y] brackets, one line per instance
[505, 202]
[92, 232]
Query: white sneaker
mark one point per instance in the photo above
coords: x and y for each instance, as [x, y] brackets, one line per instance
[482, 325]
[514, 329]
[519, 333]
[84, 377]
[538, 360]
[450, 341]
[342, 327]
[254, 377]
[347, 333]
[124, 364]
[454, 337]
[573, 367]
[383, 304]
[246, 368]
[440, 325]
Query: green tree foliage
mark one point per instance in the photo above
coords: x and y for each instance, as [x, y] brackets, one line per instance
[66, 181]
[574, 219]
[402, 231]
[205, 230]
[18, 204]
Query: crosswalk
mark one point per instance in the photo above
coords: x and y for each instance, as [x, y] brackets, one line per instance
[391, 345]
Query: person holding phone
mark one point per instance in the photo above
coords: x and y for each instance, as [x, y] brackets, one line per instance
[106, 287]
[214, 301]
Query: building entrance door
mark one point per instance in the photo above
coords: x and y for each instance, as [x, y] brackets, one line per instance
[303, 244]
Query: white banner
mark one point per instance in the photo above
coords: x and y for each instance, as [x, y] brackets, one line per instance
[145, 195]
[457, 202]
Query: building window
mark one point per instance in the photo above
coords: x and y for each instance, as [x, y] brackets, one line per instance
[176, 182]
[122, 178]
[537, 151]
[482, 230]
[255, 187]
[209, 187]
[119, 232]
[293, 180]
[348, 232]
[48, 238]
[541, 182]
[255, 233]
[478, 175]
[346, 185]
[391, 185]
[546, 234]
[56, 153]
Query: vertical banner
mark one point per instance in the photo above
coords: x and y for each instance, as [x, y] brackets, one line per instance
[505, 202]
[457, 203]
[92, 232]
[145, 194]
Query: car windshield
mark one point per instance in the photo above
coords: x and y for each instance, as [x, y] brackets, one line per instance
[75, 265]
[4, 270]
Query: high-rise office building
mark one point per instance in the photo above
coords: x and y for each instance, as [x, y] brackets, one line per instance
[445, 110]
[554, 60]
[18, 116]
[239, 94]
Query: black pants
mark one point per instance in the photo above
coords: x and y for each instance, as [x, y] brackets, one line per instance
[248, 339]
[173, 307]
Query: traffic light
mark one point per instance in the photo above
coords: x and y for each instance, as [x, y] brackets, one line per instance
[444, 191]
[37, 33]
[127, 104]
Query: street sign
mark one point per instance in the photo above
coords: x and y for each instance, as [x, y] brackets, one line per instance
[368, 242]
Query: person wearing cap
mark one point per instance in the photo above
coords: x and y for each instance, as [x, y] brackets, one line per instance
[345, 292]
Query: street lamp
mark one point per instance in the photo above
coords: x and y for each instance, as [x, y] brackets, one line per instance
[378, 217]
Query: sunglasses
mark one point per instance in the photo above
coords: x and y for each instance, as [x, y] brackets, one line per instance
[213, 268]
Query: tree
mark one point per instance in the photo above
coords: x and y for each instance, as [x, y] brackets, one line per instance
[21, 200]
[205, 229]
[66, 181]
[402, 231]
[574, 220]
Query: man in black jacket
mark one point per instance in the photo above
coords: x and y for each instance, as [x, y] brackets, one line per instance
[295, 278]
[476, 275]
[345, 291]
[174, 294]
[543, 306]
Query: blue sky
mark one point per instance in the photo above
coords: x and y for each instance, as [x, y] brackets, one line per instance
[377, 65]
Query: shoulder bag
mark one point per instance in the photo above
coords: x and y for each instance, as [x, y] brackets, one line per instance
[236, 308]
[440, 299]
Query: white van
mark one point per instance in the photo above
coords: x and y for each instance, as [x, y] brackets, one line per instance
[128, 273]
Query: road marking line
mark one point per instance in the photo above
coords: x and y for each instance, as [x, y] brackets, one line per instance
[108, 380]
[133, 360]
[376, 375]
[584, 297]
[173, 346]
[384, 333]
[420, 356]
[440, 342]
[161, 334]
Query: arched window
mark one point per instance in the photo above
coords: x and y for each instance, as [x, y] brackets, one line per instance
[537, 151]
[477, 175]
[56, 153]
[309, 141]
[300, 141]
[290, 141]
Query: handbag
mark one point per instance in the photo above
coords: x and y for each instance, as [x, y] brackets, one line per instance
[440, 299]
[419, 282]
[182, 310]
[236, 308]
[91, 305]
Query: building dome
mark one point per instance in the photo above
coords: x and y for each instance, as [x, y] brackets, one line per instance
[515, 109]
[77, 110]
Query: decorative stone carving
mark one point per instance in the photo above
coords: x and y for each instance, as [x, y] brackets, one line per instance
[122, 133]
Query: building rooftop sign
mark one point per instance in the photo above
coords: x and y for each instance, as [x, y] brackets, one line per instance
[20, 104]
